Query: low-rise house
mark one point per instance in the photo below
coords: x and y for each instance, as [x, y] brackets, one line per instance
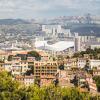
[26, 80]
[68, 63]
[3, 55]
[93, 87]
[64, 78]
[46, 80]
[92, 84]
[86, 56]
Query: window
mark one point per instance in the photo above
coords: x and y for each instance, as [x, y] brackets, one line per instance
[36, 63]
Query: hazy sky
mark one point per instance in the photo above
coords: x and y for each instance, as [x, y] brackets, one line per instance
[47, 8]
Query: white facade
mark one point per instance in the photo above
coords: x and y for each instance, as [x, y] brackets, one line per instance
[95, 63]
[95, 46]
[58, 46]
[28, 80]
[98, 39]
[87, 38]
[8, 66]
[66, 32]
[52, 29]
[81, 63]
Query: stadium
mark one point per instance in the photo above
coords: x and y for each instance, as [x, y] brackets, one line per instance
[57, 46]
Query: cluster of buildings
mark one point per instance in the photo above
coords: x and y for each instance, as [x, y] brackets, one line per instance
[54, 38]
[56, 31]
[27, 70]
[56, 47]
[57, 40]
[84, 42]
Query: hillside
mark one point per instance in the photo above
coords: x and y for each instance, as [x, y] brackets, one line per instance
[12, 21]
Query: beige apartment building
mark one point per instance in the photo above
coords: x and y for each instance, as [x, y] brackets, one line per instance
[21, 66]
[42, 68]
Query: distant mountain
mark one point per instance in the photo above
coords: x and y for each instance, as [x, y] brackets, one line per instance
[13, 21]
[87, 30]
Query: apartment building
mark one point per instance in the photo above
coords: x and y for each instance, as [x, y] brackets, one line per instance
[45, 68]
[21, 66]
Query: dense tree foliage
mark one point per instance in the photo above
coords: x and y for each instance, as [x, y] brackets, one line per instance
[97, 80]
[92, 53]
[10, 57]
[8, 87]
[35, 54]
[75, 81]
[61, 67]
[24, 56]
[12, 90]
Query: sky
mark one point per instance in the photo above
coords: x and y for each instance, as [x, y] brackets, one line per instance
[29, 9]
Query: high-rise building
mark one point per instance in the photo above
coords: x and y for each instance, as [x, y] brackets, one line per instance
[77, 45]
[52, 29]
[87, 38]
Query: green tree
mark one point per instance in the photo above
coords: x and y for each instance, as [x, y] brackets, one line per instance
[97, 80]
[10, 57]
[35, 54]
[12, 90]
[8, 87]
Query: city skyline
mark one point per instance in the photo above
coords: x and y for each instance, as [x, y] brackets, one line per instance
[28, 9]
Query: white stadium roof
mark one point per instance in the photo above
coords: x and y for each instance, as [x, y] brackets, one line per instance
[58, 46]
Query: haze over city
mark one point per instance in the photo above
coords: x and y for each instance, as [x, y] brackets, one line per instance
[29, 9]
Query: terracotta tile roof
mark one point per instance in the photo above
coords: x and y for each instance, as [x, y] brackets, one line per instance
[24, 77]
[47, 76]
